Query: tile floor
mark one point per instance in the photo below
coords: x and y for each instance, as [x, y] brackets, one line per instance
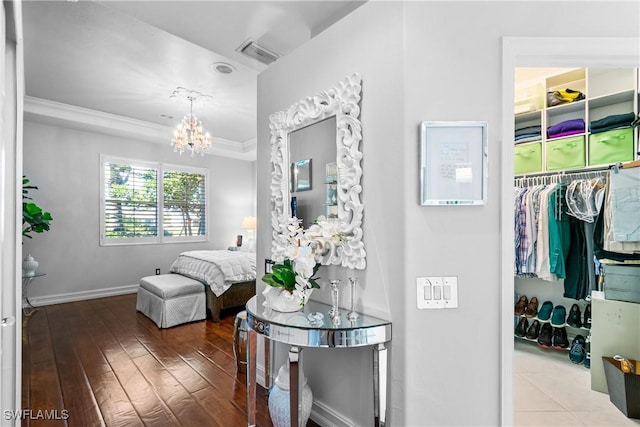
[549, 390]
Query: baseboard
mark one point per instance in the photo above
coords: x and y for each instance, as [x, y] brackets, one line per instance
[327, 417]
[83, 295]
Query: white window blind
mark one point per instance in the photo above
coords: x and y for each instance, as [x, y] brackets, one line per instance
[184, 212]
[151, 203]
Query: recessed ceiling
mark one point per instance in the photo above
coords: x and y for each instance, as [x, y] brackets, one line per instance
[126, 58]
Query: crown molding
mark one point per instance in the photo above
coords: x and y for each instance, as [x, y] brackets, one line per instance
[58, 114]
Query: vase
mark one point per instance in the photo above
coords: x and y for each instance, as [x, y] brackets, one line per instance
[280, 299]
[279, 407]
[29, 266]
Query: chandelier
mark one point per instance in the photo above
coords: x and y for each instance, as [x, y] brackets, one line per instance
[189, 135]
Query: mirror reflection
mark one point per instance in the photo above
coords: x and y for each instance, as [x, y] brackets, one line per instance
[314, 189]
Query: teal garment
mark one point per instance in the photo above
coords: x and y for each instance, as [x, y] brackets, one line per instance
[559, 232]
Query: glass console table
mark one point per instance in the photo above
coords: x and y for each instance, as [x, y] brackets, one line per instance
[304, 329]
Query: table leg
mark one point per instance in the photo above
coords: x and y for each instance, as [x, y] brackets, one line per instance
[28, 309]
[252, 341]
[380, 369]
[295, 387]
[268, 363]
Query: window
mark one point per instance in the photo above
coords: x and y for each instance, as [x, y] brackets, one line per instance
[145, 202]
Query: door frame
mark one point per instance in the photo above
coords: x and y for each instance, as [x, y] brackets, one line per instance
[11, 117]
[614, 52]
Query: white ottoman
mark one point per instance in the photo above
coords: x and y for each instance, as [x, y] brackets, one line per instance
[171, 299]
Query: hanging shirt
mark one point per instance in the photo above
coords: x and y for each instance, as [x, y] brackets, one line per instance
[559, 231]
[542, 262]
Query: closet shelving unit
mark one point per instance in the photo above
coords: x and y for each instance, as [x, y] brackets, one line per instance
[572, 331]
[608, 91]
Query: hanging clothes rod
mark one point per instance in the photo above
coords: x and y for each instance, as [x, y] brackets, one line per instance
[629, 165]
[594, 170]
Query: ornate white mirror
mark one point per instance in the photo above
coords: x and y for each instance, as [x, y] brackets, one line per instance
[330, 197]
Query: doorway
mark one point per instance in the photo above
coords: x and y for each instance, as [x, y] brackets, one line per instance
[538, 52]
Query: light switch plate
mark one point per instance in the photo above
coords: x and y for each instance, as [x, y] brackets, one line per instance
[437, 292]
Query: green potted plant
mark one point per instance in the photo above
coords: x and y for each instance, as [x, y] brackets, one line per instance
[34, 218]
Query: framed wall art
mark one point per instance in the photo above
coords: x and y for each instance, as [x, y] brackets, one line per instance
[453, 163]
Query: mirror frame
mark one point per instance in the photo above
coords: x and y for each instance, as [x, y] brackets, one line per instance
[341, 101]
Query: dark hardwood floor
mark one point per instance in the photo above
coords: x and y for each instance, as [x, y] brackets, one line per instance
[107, 364]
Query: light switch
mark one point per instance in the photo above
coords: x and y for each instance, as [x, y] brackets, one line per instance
[446, 292]
[437, 292]
[450, 290]
[427, 292]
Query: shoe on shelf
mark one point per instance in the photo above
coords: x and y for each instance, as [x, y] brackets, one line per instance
[577, 353]
[575, 318]
[587, 317]
[560, 339]
[558, 316]
[545, 311]
[544, 338]
[522, 327]
[521, 305]
[534, 330]
[532, 308]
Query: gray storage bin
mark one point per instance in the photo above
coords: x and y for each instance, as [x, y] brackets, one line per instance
[622, 282]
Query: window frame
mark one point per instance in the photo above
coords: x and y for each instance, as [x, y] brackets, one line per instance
[160, 168]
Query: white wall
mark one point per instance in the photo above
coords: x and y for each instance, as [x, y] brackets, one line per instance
[422, 61]
[64, 164]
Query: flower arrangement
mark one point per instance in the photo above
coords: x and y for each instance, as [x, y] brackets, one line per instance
[296, 267]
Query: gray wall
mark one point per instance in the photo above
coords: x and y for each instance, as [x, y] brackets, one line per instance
[65, 165]
[421, 61]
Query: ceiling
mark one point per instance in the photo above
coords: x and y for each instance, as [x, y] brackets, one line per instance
[126, 58]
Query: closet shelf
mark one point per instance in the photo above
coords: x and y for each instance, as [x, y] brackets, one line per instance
[536, 342]
[564, 325]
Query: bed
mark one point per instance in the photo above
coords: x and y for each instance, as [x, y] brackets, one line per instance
[229, 277]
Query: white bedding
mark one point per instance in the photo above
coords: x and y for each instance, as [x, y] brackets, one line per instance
[218, 269]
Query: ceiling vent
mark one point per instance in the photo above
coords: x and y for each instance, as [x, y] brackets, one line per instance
[255, 51]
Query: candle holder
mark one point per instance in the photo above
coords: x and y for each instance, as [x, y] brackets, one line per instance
[335, 310]
[352, 315]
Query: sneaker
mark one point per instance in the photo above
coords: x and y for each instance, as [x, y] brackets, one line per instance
[545, 311]
[560, 339]
[574, 319]
[577, 352]
[544, 339]
[558, 316]
[520, 306]
[521, 329]
[534, 330]
[587, 317]
[532, 308]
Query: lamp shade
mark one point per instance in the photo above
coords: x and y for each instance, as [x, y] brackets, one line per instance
[249, 223]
